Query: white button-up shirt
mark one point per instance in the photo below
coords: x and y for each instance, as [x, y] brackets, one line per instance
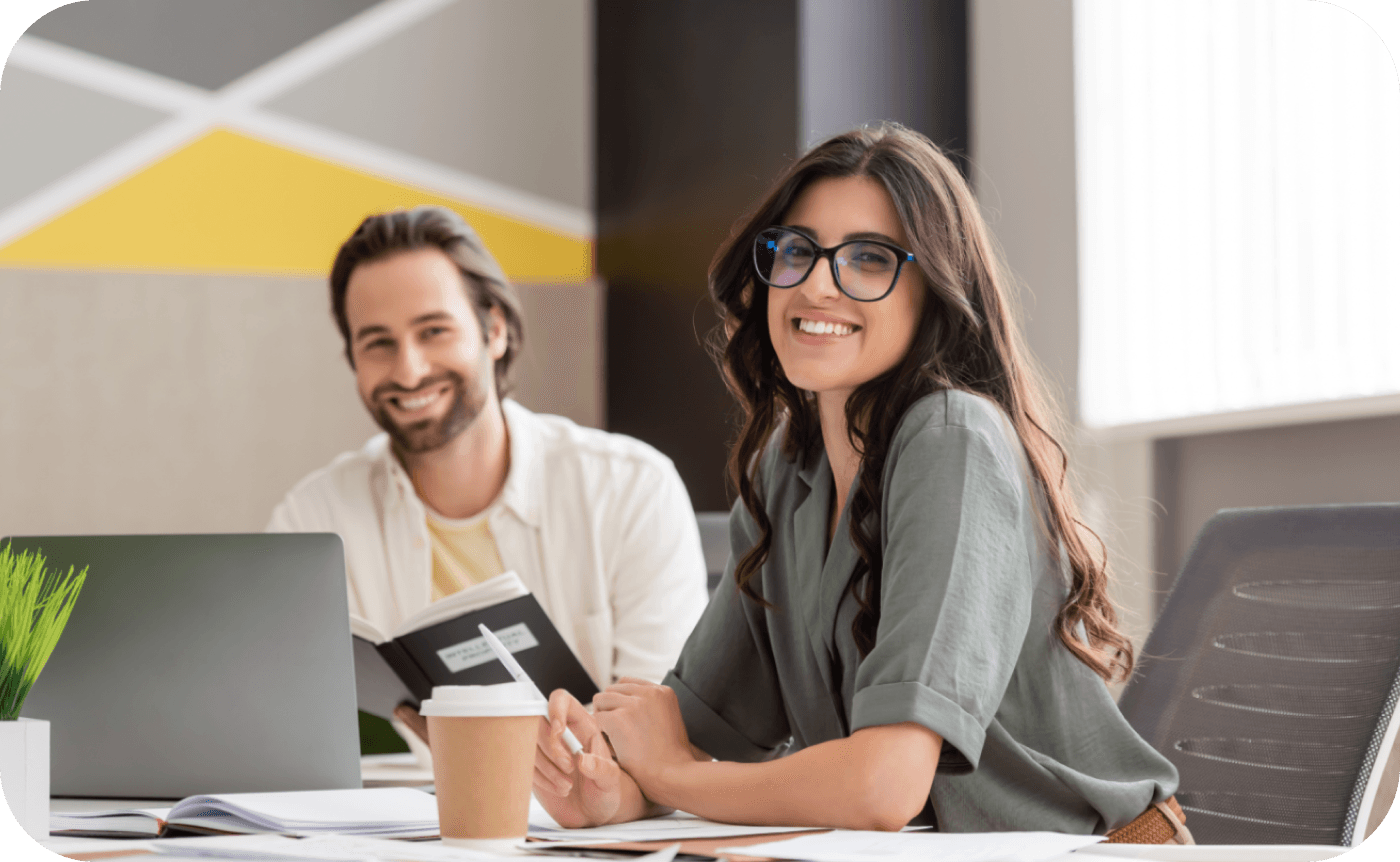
[598, 526]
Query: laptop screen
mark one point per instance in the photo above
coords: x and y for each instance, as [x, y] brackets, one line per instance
[200, 664]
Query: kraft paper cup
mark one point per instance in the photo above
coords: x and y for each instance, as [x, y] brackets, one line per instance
[483, 743]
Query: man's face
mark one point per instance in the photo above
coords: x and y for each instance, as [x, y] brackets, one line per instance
[422, 365]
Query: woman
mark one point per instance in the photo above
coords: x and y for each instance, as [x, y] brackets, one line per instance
[918, 623]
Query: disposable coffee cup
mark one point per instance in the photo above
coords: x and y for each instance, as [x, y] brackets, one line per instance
[483, 743]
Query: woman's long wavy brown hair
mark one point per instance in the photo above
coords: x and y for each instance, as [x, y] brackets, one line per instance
[966, 339]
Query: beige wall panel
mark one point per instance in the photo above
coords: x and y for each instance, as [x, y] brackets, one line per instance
[561, 369]
[1356, 461]
[164, 403]
[182, 403]
[1022, 130]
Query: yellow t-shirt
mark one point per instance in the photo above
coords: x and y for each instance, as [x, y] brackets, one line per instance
[464, 552]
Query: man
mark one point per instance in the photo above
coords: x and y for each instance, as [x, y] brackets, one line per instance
[463, 484]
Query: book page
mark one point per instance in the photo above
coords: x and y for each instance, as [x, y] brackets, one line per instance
[371, 809]
[502, 588]
[363, 628]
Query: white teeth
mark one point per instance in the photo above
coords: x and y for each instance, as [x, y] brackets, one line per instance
[814, 327]
[417, 403]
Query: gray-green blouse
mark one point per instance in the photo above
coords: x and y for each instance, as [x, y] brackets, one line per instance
[1031, 738]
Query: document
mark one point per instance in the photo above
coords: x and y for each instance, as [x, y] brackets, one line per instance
[337, 848]
[844, 845]
[678, 826]
[389, 812]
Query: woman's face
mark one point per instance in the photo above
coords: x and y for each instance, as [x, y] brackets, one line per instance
[869, 338]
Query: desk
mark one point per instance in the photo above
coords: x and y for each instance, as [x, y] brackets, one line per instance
[95, 850]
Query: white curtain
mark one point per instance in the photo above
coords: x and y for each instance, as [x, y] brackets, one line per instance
[1239, 207]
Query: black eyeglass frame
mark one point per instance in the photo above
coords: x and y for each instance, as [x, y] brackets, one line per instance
[901, 257]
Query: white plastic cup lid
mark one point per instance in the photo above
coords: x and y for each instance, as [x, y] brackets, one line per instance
[477, 701]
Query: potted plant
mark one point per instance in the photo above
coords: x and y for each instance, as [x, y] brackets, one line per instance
[34, 607]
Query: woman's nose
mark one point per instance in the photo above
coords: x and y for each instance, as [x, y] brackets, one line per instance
[820, 283]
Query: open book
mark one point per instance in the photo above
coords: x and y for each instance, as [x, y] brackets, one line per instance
[384, 812]
[441, 645]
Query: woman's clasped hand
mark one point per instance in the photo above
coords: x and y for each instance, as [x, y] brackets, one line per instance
[633, 736]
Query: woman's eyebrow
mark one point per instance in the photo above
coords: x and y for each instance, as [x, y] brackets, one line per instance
[861, 234]
[871, 234]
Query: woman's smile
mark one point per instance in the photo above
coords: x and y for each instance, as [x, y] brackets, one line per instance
[821, 329]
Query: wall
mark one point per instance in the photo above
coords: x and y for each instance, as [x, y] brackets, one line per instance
[901, 60]
[1356, 461]
[182, 175]
[1023, 170]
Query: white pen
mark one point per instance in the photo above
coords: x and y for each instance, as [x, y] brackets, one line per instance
[519, 675]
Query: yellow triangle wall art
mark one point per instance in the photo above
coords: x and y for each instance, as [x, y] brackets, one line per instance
[228, 203]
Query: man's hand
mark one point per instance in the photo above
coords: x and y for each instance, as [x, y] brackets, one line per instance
[643, 722]
[405, 713]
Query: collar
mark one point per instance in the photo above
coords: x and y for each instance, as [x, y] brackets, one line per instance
[522, 491]
[812, 472]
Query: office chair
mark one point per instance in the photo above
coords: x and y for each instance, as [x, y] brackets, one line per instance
[714, 542]
[1270, 679]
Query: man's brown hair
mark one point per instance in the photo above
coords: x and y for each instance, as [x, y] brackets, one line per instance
[386, 234]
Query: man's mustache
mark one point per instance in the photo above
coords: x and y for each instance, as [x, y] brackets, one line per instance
[389, 388]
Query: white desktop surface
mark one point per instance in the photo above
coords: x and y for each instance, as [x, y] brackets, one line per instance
[1097, 853]
[1206, 852]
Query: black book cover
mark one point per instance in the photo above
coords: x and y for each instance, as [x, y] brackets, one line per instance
[454, 653]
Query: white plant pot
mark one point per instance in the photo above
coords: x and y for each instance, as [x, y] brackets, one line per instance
[24, 773]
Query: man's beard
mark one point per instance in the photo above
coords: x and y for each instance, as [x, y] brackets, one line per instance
[428, 435]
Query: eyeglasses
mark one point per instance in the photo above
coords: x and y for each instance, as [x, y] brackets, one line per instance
[865, 270]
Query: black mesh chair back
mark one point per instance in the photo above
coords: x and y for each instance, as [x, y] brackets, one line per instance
[1270, 679]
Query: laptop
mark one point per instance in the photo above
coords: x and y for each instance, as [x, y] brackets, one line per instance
[200, 664]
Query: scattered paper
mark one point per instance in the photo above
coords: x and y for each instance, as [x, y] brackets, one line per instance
[338, 848]
[678, 826]
[1210, 852]
[385, 812]
[851, 846]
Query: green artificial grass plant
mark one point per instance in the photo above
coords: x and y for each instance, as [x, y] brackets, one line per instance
[34, 608]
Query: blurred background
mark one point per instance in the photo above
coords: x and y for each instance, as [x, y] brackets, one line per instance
[1198, 199]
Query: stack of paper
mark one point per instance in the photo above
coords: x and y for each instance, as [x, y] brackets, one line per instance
[110, 823]
[389, 812]
[678, 826]
[336, 848]
[386, 812]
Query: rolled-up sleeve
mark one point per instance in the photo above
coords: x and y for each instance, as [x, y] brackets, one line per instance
[956, 589]
[726, 679]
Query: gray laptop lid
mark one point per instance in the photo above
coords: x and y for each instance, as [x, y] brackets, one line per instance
[200, 664]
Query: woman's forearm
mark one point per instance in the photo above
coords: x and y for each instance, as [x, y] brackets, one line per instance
[878, 778]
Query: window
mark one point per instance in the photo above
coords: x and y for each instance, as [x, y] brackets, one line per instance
[1239, 207]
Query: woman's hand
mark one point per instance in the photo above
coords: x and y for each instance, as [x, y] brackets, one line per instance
[643, 722]
[589, 789]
